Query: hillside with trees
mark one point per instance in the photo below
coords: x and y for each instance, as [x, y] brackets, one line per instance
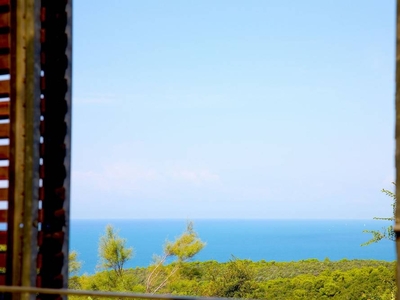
[173, 272]
[308, 279]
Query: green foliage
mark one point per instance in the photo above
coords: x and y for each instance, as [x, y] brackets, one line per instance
[182, 248]
[73, 264]
[235, 280]
[185, 246]
[113, 253]
[386, 232]
[306, 279]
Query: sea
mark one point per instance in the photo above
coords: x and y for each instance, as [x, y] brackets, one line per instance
[226, 239]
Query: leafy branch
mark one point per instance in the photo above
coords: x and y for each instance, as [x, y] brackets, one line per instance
[387, 233]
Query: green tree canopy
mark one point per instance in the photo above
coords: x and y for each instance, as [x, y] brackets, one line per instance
[185, 246]
[113, 252]
[182, 248]
[73, 264]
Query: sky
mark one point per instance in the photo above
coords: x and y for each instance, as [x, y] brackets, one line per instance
[233, 109]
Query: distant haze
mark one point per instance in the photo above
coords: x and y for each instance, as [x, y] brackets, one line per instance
[233, 109]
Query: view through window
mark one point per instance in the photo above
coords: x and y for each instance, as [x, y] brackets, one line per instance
[266, 125]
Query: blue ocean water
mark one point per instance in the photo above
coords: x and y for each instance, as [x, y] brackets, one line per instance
[278, 240]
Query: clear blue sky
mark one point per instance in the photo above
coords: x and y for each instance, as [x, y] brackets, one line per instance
[233, 109]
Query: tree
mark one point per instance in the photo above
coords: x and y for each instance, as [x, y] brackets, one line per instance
[235, 280]
[183, 249]
[112, 251]
[74, 265]
[386, 232]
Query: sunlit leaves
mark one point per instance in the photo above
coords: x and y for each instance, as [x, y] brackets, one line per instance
[185, 246]
[113, 253]
[182, 248]
[73, 264]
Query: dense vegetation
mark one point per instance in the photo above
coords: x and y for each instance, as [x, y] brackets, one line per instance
[308, 279]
